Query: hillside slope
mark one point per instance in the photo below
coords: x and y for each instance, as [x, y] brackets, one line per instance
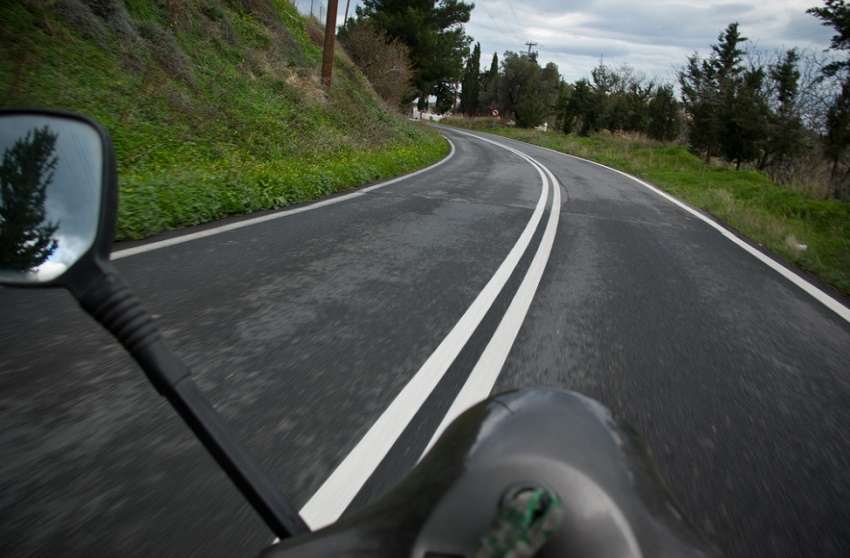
[215, 106]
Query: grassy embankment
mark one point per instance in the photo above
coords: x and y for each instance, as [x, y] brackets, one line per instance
[215, 106]
[780, 218]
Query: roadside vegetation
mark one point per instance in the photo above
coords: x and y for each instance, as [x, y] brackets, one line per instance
[215, 107]
[804, 226]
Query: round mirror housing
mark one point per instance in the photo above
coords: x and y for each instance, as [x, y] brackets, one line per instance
[58, 197]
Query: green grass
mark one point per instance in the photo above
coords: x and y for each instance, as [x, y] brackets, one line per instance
[214, 106]
[780, 218]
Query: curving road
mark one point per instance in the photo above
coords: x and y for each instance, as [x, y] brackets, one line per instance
[336, 337]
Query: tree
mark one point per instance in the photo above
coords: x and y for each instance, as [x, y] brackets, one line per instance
[836, 14]
[837, 136]
[836, 140]
[664, 119]
[551, 86]
[579, 115]
[445, 92]
[385, 62]
[786, 138]
[744, 118]
[625, 98]
[490, 85]
[700, 97]
[530, 109]
[527, 91]
[432, 30]
[26, 238]
[604, 82]
[470, 94]
[616, 100]
[727, 55]
[708, 90]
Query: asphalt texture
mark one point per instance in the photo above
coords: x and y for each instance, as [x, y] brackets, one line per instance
[302, 330]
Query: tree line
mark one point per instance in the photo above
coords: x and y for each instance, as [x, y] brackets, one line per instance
[529, 95]
[767, 111]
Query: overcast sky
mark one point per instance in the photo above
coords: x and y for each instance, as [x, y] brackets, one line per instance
[653, 36]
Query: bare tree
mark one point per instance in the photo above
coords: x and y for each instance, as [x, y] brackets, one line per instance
[385, 62]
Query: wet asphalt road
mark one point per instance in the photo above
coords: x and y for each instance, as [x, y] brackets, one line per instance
[303, 329]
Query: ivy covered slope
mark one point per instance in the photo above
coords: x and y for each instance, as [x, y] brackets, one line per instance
[215, 106]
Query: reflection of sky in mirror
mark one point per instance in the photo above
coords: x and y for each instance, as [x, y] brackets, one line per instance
[73, 198]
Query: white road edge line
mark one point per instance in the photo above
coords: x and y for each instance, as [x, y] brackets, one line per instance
[816, 293]
[808, 287]
[483, 377]
[337, 492]
[117, 255]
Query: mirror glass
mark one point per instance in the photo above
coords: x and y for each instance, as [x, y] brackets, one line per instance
[50, 193]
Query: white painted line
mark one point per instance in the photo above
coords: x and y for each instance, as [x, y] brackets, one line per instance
[279, 215]
[815, 292]
[334, 496]
[483, 377]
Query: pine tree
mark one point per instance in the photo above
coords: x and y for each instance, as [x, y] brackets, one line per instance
[744, 118]
[786, 137]
[727, 55]
[601, 111]
[709, 90]
[701, 99]
[837, 136]
[664, 119]
[836, 13]
[26, 238]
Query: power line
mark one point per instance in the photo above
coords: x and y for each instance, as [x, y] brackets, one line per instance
[500, 28]
[511, 6]
[508, 23]
[558, 56]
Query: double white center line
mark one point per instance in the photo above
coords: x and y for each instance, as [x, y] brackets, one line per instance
[334, 496]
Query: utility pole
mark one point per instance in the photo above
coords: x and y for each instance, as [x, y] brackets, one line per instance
[347, 5]
[330, 39]
[530, 44]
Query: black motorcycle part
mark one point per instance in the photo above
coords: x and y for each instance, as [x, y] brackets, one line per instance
[614, 502]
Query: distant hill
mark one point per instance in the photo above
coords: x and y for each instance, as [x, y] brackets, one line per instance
[215, 106]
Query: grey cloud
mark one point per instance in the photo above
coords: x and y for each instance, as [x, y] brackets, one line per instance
[805, 28]
[671, 24]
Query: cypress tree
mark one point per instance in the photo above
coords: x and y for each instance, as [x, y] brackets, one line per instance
[470, 103]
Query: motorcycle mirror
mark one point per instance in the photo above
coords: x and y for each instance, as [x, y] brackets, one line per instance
[58, 208]
[58, 197]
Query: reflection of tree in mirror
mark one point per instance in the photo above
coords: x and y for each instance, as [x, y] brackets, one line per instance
[26, 238]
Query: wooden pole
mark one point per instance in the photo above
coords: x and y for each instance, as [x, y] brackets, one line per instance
[330, 39]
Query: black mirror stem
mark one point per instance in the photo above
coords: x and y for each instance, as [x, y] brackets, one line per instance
[106, 297]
